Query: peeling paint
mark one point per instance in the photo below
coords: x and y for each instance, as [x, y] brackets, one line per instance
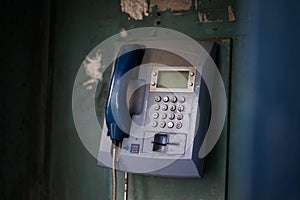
[123, 32]
[231, 16]
[135, 8]
[205, 19]
[92, 65]
[173, 5]
[202, 17]
[208, 14]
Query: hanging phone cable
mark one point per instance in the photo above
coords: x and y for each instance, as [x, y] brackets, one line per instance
[114, 172]
[125, 185]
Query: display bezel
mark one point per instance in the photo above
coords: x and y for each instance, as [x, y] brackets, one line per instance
[190, 82]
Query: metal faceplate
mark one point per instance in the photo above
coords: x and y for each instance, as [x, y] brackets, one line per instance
[170, 113]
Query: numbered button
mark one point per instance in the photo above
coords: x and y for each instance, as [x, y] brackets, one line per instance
[180, 108]
[162, 124]
[171, 116]
[156, 107]
[174, 99]
[173, 108]
[154, 123]
[170, 124]
[166, 99]
[178, 125]
[164, 107]
[155, 115]
[157, 98]
[179, 116]
[163, 115]
[181, 99]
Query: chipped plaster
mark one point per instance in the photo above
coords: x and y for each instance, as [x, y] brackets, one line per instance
[173, 5]
[231, 15]
[135, 8]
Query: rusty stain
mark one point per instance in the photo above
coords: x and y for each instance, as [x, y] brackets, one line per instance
[231, 16]
[173, 5]
[135, 8]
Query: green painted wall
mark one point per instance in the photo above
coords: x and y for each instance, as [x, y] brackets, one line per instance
[42, 45]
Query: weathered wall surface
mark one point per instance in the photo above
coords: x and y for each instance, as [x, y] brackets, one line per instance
[78, 27]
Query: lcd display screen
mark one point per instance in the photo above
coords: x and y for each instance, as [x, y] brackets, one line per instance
[172, 79]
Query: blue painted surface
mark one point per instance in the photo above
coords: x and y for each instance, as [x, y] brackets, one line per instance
[275, 165]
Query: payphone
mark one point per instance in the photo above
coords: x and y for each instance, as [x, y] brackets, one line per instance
[158, 111]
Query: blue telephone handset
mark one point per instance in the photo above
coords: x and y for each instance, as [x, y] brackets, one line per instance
[129, 57]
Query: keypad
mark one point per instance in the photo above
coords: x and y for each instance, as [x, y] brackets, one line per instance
[168, 111]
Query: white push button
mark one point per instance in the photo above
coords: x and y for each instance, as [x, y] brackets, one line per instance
[180, 108]
[162, 124]
[173, 108]
[155, 115]
[179, 116]
[154, 123]
[171, 116]
[163, 115]
[170, 124]
[181, 99]
[157, 98]
[156, 107]
[178, 125]
[164, 107]
[174, 99]
[166, 99]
